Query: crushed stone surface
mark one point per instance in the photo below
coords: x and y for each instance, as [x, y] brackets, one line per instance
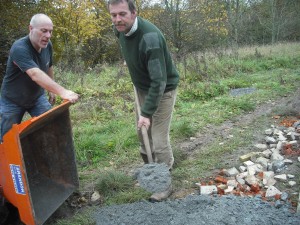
[197, 210]
[154, 177]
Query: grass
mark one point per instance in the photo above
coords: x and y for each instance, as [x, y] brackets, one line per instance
[104, 127]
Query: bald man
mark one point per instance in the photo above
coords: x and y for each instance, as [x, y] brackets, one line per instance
[29, 73]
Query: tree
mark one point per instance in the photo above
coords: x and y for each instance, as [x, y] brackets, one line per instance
[14, 21]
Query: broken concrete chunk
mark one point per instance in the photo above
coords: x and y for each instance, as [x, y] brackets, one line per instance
[248, 156]
[232, 172]
[232, 183]
[281, 138]
[281, 177]
[279, 145]
[251, 179]
[268, 178]
[267, 153]
[248, 163]
[292, 183]
[242, 175]
[263, 162]
[277, 156]
[261, 146]
[95, 196]
[242, 169]
[229, 189]
[207, 190]
[269, 132]
[270, 140]
[288, 162]
[278, 166]
[272, 191]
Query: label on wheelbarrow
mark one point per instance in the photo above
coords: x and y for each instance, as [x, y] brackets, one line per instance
[17, 179]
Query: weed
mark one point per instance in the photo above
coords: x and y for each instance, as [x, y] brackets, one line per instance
[111, 182]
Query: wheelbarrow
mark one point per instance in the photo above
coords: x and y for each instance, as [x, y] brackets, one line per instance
[37, 165]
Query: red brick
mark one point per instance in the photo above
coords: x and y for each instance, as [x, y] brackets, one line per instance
[220, 179]
[255, 188]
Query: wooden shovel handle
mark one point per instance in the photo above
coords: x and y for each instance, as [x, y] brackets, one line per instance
[143, 128]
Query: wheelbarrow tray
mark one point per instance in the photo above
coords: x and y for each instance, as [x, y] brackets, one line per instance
[37, 165]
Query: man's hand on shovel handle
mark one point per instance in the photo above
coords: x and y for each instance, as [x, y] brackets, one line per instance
[144, 121]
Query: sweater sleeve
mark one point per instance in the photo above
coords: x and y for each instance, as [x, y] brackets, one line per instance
[153, 49]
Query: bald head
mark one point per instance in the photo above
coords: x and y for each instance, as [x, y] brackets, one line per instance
[40, 31]
[38, 19]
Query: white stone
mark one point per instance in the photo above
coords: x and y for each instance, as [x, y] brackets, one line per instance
[267, 153]
[243, 168]
[288, 162]
[207, 190]
[276, 156]
[263, 161]
[229, 189]
[291, 176]
[279, 145]
[268, 178]
[95, 196]
[268, 131]
[270, 140]
[281, 177]
[277, 132]
[254, 169]
[261, 146]
[241, 181]
[241, 175]
[292, 183]
[232, 183]
[272, 191]
[251, 179]
[281, 137]
[275, 150]
[248, 163]
[231, 172]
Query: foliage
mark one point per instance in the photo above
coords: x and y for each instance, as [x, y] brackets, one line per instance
[133, 195]
[111, 182]
[83, 36]
[85, 217]
[14, 21]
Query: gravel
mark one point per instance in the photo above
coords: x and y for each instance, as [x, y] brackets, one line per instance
[154, 177]
[194, 209]
[199, 209]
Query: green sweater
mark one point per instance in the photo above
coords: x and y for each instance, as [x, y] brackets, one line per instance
[150, 64]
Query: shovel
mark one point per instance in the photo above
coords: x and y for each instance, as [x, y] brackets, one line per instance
[143, 129]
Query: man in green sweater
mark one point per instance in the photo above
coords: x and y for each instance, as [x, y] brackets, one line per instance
[153, 74]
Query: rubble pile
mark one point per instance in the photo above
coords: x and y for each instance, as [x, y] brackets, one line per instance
[260, 171]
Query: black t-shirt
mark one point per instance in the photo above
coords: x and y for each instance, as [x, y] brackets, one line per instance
[17, 86]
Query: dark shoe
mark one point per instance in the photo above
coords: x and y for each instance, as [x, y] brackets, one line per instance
[157, 197]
